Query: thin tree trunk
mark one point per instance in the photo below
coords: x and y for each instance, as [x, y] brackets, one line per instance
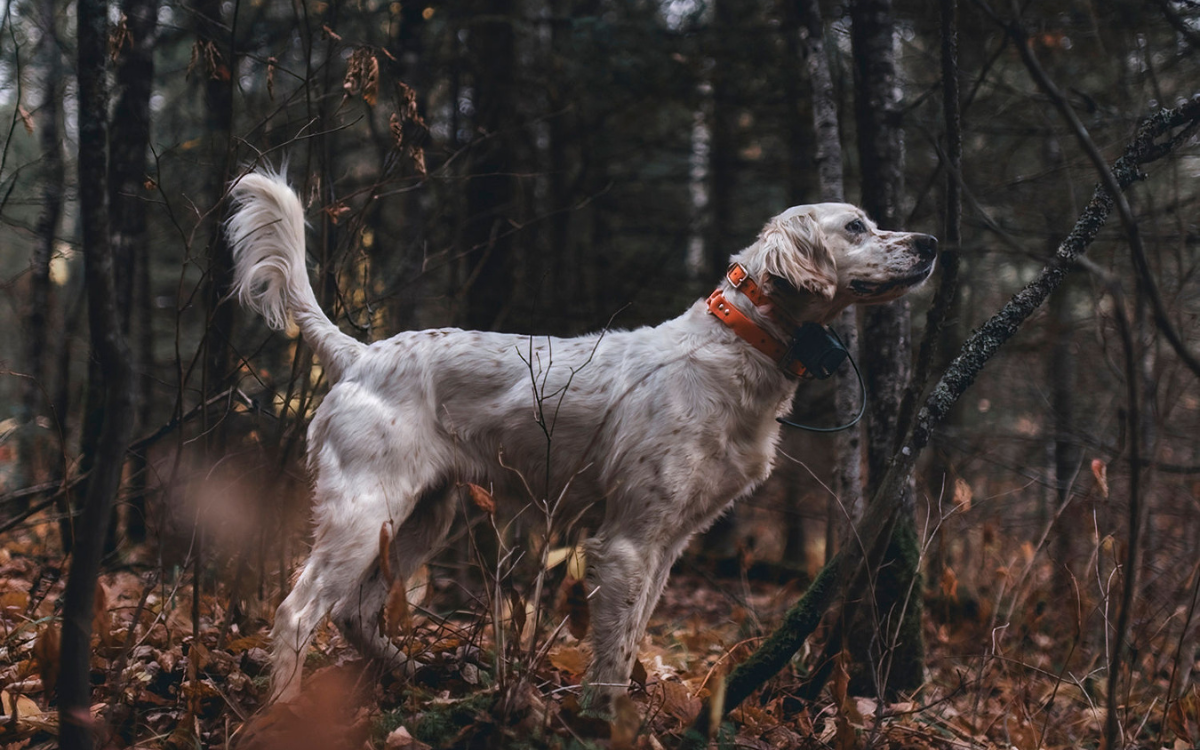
[218, 108]
[113, 354]
[40, 298]
[406, 45]
[130, 138]
[492, 189]
[722, 154]
[940, 323]
[696, 264]
[563, 292]
[845, 505]
[886, 640]
[1066, 451]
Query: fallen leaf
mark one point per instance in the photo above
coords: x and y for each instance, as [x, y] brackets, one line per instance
[625, 723]
[47, 649]
[679, 702]
[397, 619]
[400, 739]
[573, 556]
[14, 603]
[639, 675]
[569, 659]
[1183, 718]
[23, 707]
[102, 624]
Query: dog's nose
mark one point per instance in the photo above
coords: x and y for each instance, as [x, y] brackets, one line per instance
[925, 245]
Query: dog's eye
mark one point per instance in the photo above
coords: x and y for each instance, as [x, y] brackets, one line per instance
[856, 227]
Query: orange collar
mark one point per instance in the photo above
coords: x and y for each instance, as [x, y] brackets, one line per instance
[747, 329]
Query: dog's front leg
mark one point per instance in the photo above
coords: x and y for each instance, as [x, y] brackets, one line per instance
[621, 574]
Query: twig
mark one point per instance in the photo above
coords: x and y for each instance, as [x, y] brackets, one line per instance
[1112, 726]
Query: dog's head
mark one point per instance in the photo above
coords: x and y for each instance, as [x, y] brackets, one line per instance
[817, 259]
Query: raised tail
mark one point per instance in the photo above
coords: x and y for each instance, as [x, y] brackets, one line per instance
[266, 232]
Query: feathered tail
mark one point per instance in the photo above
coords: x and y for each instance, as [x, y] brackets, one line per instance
[266, 232]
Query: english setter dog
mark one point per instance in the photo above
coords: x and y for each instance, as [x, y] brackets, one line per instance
[659, 428]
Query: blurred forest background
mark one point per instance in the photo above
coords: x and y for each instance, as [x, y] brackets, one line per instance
[562, 166]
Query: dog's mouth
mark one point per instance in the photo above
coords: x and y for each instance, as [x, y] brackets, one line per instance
[871, 289]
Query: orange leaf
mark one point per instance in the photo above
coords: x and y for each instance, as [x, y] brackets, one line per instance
[370, 85]
[26, 118]
[1100, 471]
[625, 724]
[679, 702]
[569, 659]
[962, 494]
[102, 624]
[1183, 718]
[396, 620]
[336, 211]
[47, 649]
[385, 559]
[950, 583]
[482, 498]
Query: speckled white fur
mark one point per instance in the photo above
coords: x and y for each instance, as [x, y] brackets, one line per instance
[659, 429]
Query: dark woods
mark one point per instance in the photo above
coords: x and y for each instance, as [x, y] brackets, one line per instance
[562, 167]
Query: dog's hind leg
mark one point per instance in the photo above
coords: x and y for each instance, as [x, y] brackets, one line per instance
[358, 613]
[295, 621]
[345, 548]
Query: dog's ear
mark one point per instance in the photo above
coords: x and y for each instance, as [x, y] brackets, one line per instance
[794, 254]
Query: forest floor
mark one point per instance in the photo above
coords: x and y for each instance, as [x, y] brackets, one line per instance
[164, 679]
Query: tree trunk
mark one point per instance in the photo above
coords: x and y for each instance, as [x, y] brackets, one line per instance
[211, 34]
[130, 136]
[886, 640]
[722, 154]
[113, 355]
[127, 173]
[411, 225]
[40, 299]
[492, 189]
[846, 504]
[1066, 449]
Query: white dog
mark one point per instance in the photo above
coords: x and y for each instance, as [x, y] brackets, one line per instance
[660, 428]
